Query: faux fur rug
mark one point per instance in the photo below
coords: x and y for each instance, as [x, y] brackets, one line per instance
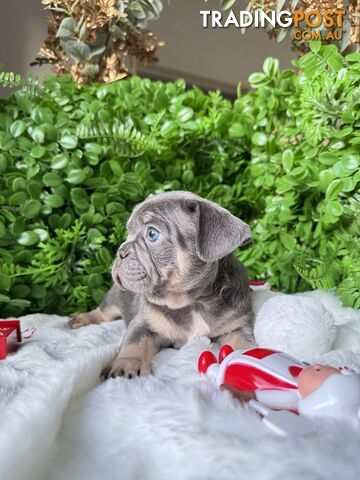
[59, 422]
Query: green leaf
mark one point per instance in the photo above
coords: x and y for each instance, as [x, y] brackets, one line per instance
[77, 50]
[3, 163]
[42, 115]
[259, 139]
[65, 220]
[2, 229]
[18, 226]
[226, 4]
[38, 135]
[17, 128]
[315, 46]
[328, 158]
[43, 234]
[18, 198]
[90, 70]
[52, 179]
[334, 208]
[185, 114]
[350, 161]
[68, 28]
[188, 177]
[281, 35]
[5, 283]
[68, 142]
[28, 238]
[38, 151]
[325, 178]
[337, 145]
[76, 176]
[257, 80]
[161, 100]
[31, 208]
[287, 240]
[334, 189]
[93, 148]
[287, 159]
[353, 57]
[271, 66]
[333, 58]
[80, 198]
[236, 130]
[3, 298]
[54, 201]
[19, 185]
[59, 162]
[20, 291]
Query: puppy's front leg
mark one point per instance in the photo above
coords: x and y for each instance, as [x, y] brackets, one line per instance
[95, 317]
[109, 310]
[139, 347]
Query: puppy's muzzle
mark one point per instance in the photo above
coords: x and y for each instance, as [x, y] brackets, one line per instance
[127, 271]
[124, 250]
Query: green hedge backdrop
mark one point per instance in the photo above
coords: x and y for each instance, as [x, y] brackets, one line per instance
[75, 160]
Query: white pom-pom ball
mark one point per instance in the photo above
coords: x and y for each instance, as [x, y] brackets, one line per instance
[295, 324]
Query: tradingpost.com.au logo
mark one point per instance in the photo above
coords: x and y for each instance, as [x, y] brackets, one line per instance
[305, 24]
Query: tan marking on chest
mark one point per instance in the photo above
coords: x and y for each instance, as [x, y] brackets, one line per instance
[171, 300]
[198, 326]
[162, 325]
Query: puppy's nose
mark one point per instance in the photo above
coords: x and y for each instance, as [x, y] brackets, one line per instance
[124, 250]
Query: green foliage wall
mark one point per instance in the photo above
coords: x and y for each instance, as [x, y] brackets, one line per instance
[75, 160]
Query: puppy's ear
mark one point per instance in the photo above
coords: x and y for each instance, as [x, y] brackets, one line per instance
[219, 232]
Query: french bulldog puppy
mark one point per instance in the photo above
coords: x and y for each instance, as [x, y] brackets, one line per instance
[175, 277]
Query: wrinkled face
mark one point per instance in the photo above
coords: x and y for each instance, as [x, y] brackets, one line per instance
[157, 254]
[173, 241]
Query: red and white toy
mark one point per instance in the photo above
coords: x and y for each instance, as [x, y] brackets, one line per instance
[286, 392]
[10, 336]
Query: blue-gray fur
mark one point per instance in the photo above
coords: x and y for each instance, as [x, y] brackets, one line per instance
[186, 281]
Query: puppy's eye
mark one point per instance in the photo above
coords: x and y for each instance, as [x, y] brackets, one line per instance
[153, 234]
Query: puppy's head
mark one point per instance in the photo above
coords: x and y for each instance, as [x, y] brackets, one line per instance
[173, 240]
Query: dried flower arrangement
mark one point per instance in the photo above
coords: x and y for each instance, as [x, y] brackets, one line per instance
[99, 40]
[351, 26]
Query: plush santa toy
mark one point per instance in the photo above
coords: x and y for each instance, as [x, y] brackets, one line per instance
[281, 388]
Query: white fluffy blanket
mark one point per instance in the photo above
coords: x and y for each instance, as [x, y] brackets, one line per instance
[59, 422]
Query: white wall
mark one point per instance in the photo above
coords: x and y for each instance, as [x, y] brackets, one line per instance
[223, 56]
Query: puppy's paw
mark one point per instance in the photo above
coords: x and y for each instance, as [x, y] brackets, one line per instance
[126, 367]
[78, 320]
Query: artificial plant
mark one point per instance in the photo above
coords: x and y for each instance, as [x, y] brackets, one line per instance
[99, 40]
[74, 160]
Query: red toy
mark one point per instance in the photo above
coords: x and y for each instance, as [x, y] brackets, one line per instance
[257, 373]
[10, 336]
[287, 393]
